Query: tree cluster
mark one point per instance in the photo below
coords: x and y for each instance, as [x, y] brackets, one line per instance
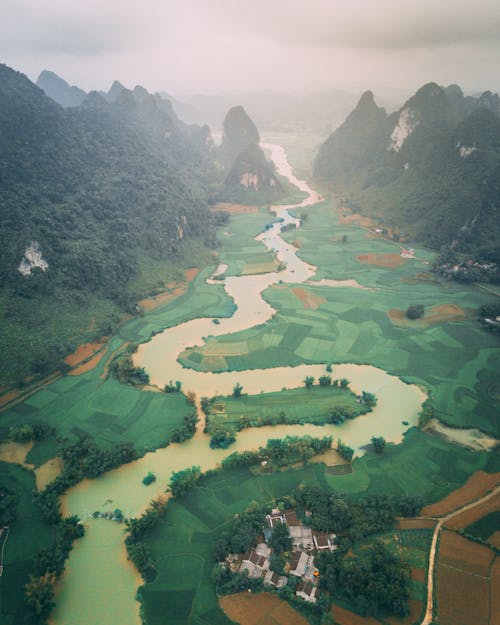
[183, 481]
[81, 460]
[187, 430]
[281, 451]
[376, 585]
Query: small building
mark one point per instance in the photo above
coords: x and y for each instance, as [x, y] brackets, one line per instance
[307, 591]
[262, 549]
[323, 541]
[233, 562]
[273, 579]
[302, 537]
[302, 564]
[275, 517]
[255, 564]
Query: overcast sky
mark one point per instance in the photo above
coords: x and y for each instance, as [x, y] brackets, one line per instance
[206, 46]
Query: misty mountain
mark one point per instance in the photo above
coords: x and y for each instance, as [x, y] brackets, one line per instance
[250, 177]
[88, 193]
[318, 112]
[432, 167]
[59, 90]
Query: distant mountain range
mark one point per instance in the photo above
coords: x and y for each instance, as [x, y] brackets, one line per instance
[432, 167]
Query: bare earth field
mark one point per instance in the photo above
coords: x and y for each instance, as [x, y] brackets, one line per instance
[417, 523]
[465, 588]
[477, 485]
[471, 516]
[84, 352]
[389, 261]
[346, 617]
[444, 313]
[89, 364]
[260, 609]
[310, 300]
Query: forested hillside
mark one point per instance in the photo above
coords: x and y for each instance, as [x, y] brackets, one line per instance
[432, 168]
[91, 197]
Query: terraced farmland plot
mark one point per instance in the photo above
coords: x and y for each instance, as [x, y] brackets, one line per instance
[465, 586]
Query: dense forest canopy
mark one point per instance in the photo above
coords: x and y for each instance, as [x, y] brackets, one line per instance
[88, 193]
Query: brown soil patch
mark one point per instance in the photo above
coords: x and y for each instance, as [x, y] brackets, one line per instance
[444, 313]
[468, 517]
[15, 452]
[476, 486]
[234, 209]
[260, 609]
[48, 472]
[191, 273]
[494, 540]
[355, 219]
[8, 397]
[342, 616]
[389, 261]
[463, 588]
[150, 303]
[83, 352]
[331, 458]
[89, 365]
[461, 598]
[416, 523]
[310, 300]
[457, 552]
[174, 290]
[419, 575]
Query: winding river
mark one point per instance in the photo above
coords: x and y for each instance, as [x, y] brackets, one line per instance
[99, 584]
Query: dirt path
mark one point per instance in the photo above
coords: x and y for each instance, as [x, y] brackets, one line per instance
[427, 620]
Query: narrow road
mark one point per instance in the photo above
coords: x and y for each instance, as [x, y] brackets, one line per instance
[427, 620]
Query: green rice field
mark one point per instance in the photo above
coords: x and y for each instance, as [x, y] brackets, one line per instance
[454, 359]
[96, 404]
[27, 536]
[298, 405]
[239, 251]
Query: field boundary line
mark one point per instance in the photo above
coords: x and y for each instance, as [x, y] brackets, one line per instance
[456, 568]
[428, 616]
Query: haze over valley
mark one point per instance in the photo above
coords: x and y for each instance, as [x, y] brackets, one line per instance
[250, 314]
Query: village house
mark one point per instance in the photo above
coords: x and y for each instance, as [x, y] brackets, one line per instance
[273, 579]
[302, 537]
[255, 564]
[275, 517]
[306, 590]
[324, 541]
[302, 564]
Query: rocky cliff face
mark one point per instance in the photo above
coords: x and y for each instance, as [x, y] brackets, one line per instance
[432, 168]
